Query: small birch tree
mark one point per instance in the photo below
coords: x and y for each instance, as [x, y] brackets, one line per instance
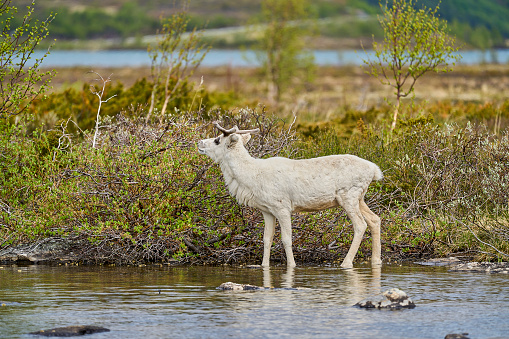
[175, 57]
[20, 81]
[282, 49]
[415, 42]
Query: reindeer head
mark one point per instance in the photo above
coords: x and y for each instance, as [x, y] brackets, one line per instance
[231, 139]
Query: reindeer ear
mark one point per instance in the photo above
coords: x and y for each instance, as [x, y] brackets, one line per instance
[246, 138]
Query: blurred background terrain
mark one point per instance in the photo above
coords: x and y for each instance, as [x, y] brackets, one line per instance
[479, 24]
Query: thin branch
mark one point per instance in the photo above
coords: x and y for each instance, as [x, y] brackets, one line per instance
[477, 238]
[100, 95]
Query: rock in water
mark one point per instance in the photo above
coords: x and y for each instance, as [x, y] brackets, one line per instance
[440, 262]
[390, 299]
[481, 267]
[238, 287]
[70, 331]
[457, 336]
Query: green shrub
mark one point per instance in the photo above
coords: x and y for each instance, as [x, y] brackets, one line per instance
[145, 194]
[437, 180]
[80, 106]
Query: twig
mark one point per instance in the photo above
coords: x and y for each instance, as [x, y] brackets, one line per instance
[191, 246]
[482, 242]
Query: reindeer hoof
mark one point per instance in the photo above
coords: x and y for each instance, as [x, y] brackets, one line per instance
[346, 265]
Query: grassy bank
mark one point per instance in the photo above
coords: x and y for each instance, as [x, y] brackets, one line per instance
[145, 195]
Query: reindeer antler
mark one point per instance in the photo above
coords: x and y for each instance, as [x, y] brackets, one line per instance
[235, 129]
[225, 131]
[248, 131]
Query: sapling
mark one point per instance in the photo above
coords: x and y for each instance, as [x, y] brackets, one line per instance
[415, 42]
[282, 50]
[99, 94]
[21, 79]
[174, 58]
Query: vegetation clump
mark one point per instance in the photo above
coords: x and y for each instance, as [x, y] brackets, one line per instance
[21, 79]
[145, 195]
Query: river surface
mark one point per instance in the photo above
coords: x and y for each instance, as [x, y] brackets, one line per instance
[234, 58]
[184, 302]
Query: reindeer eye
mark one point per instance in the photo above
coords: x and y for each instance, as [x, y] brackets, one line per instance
[217, 140]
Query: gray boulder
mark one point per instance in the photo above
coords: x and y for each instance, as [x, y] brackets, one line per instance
[390, 299]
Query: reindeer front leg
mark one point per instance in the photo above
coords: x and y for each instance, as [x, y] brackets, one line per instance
[268, 235]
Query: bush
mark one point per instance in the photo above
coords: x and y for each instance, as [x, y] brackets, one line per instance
[81, 105]
[442, 185]
[21, 77]
[144, 195]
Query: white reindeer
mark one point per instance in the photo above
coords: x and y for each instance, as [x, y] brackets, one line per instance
[279, 186]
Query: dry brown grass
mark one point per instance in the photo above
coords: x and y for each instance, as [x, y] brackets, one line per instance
[334, 88]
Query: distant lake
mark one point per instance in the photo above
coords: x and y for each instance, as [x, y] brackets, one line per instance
[235, 58]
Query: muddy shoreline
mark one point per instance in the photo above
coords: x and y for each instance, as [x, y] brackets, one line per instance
[69, 251]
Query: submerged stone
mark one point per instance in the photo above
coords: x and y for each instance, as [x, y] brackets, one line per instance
[390, 299]
[231, 286]
[70, 331]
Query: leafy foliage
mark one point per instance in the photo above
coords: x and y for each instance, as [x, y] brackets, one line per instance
[174, 59]
[283, 54]
[415, 42]
[20, 81]
[482, 24]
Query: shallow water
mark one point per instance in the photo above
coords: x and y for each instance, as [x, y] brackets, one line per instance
[184, 302]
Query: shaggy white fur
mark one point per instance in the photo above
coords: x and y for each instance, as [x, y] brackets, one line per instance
[279, 186]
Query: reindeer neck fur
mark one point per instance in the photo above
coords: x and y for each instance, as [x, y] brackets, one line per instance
[237, 168]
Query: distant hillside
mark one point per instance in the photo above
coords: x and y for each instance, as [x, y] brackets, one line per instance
[482, 16]
[482, 23]
[479, 23]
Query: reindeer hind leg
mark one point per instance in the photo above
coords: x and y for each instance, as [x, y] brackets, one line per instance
[351, 205]
[373, 222]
